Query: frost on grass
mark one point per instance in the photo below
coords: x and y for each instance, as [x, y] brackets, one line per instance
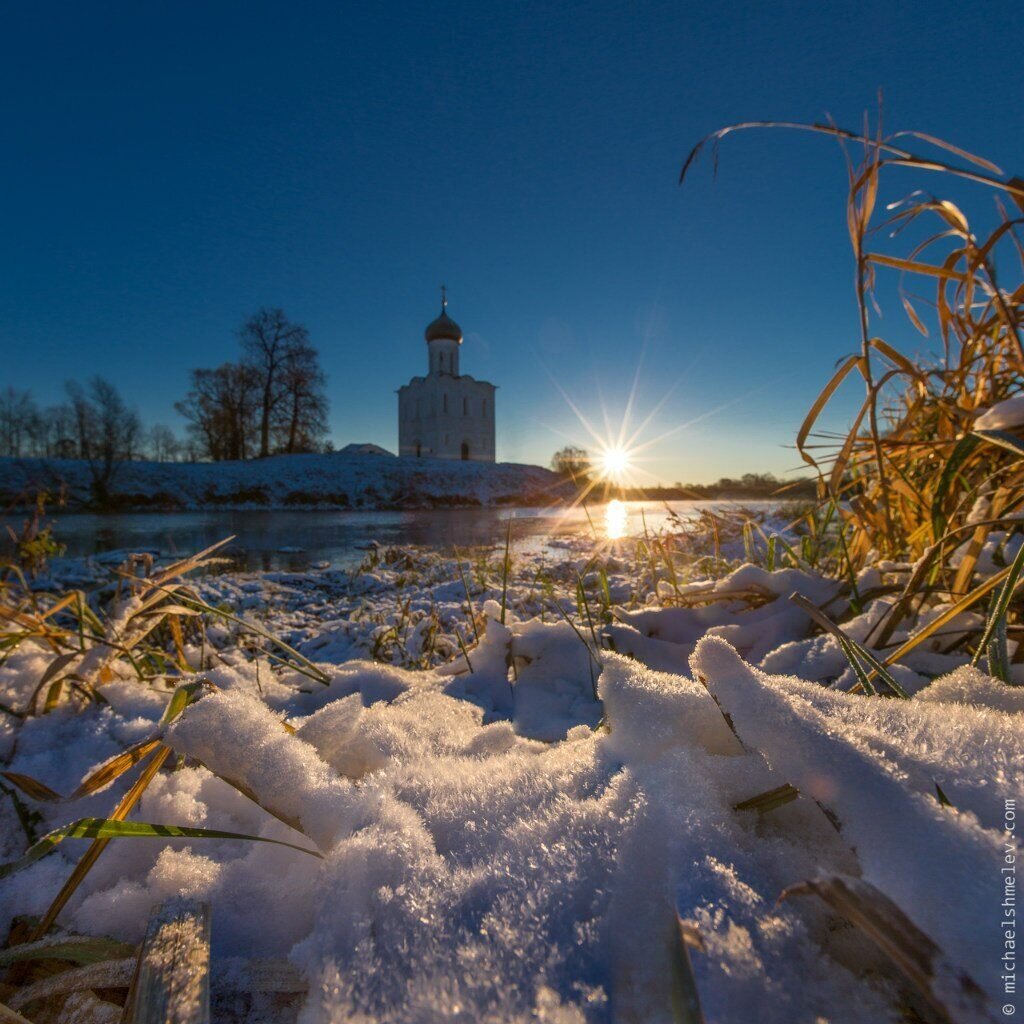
[509, 836]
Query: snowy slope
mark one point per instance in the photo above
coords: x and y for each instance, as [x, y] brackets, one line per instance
[296, 481]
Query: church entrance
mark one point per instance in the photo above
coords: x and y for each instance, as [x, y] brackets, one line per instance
[465, 451]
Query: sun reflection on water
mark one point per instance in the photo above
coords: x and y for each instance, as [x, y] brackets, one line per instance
[615, 520]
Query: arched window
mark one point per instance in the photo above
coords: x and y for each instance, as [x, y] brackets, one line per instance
[419, 450]
[465, 407]
[444, 403]
[465, 451]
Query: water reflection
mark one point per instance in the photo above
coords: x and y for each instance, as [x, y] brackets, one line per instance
[293, 540]
[615, 520]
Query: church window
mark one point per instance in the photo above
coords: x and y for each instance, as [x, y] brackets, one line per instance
[444, 403]
[465, 407]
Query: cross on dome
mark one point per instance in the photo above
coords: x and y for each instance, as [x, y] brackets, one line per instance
[444, 326]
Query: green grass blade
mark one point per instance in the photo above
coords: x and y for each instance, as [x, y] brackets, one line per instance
[859, 657]
[180, 699]
[957, 457]
[1000, 605]
[505, 569]
[1002, 439]
[469, 599]
[109, 828]
[75, 949]
[462, 647]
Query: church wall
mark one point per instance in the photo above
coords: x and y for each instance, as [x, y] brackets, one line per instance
[441, 413]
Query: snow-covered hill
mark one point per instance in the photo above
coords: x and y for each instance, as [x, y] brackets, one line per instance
[295, 481]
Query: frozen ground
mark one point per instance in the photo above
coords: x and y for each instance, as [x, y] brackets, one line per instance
[510, 814]
[337, 480]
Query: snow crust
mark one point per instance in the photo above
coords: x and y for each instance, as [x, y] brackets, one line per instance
[509, 836]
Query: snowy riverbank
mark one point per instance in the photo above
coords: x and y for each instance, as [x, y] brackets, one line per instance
[514, 790]
[337, 480]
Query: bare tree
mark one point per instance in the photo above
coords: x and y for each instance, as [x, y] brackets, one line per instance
[269, 341]
[162, 445]
[222, 409]
[571, 462]
[19, 418]
[114, 435]
[301, 422]
[59, 432]
[81, 412]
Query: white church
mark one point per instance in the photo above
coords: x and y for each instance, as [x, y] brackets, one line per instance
[446, 415]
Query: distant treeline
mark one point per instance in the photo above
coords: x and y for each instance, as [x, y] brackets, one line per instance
[750, 485]
[271, 401]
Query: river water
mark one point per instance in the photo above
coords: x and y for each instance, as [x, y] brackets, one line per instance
[295, 540]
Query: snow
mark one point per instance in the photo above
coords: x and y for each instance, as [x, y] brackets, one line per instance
[509, 836]
[346, 479]
[1005, 415]
[908, 844]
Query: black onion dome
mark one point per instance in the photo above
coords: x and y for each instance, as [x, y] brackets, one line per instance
[444, 326]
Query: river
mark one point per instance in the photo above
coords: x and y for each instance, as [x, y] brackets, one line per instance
[297, 540]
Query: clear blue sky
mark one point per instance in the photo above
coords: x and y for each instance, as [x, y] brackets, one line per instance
[170, 167]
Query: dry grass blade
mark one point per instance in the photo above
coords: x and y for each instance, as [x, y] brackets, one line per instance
[109, 974]
[302, 664]
[187, 565]
[32, 787]
[918, 469]
[947, 616]
[686, 1007]
[96, 848]
[113, 769]
[9, 1016]
[909, 949]
[819, 404]
[895, 155]
[102, 776]
[769, 800]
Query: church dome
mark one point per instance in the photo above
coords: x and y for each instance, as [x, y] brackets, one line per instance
[444, 326]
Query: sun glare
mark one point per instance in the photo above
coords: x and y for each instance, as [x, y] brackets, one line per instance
[614, 462]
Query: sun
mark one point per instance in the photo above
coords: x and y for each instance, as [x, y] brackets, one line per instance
[614, 463]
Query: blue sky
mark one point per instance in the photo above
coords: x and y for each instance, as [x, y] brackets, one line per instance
[170, 167]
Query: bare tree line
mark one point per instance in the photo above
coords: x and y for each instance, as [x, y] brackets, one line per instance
[271, 401]
[93, 424]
